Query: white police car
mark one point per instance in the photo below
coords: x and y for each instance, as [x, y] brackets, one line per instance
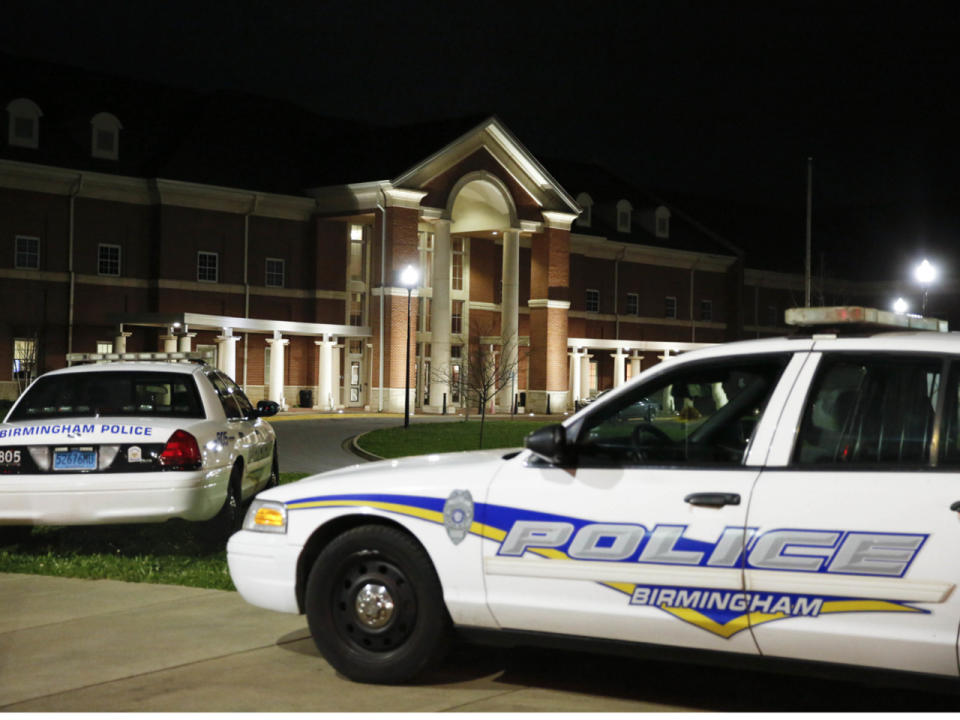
[129, 442]
[792, 498]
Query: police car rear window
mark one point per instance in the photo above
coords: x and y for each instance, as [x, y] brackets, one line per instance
[122, 393]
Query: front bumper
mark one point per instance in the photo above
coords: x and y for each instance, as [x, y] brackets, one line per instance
[263, 566]
[109, 498]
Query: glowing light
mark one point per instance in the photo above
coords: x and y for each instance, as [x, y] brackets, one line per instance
[900, 306]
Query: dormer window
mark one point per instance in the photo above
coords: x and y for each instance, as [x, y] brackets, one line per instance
[586, 202]
[662, 222]
[24, 123]
[624, 214]
[105, 136]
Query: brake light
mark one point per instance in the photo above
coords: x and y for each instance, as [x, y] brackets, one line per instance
[181, 453]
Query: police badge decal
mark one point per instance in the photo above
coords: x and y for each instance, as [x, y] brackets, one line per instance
[458, 515]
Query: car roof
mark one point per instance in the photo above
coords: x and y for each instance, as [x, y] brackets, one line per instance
[167, 367]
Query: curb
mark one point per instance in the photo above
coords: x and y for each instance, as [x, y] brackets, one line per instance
[350, 445]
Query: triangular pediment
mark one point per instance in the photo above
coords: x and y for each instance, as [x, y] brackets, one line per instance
[494, 138]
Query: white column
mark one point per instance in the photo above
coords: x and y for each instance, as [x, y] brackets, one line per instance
[168, 342]
[335, 372]
[509, 312]
[574, 377]
[585, 374]
[619, 367]
[440, 317]
[324, 371]
[275, 390]
[635, 361]
[227, 352]
[183, 341]
[120, 341]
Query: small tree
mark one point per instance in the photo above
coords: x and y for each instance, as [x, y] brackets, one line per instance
[482, 375]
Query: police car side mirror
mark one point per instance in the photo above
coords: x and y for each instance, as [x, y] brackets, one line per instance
[266, 408]
[550, 443]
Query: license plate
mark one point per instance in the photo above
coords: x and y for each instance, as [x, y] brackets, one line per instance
[74, 459]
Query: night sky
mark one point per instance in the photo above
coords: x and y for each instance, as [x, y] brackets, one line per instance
[724, 100]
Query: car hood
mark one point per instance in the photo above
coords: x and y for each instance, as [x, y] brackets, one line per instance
[91, 430]
[421, 474]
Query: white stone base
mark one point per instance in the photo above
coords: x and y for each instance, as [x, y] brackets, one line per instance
[393, 399]
[537, 401]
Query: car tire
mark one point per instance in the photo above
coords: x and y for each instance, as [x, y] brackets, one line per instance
[228, 520]
[274, 478]
[375, 607]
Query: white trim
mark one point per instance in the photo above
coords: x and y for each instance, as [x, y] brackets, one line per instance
[558, 220]
[23, 109]
[641, 345]
[404, 198]
[598, 571]
[549, 304]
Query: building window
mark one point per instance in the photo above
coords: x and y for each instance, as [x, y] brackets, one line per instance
[104, 346]
[27, 253]
[706, 310]
[356, 309]
[586, 202]
[24, 123]
[105, 136]
[670, 307]
[456, 264]
[624, 214]
[108, 259]
[207, 266]
[426, 259]
[357, 253]
[633, 304]
[456, 317]
[662, 221]
[593, 301]
[773, 317]
[275, 272]
[24, 360]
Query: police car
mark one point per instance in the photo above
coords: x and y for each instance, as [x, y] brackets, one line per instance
[141, 440]
[792, 498]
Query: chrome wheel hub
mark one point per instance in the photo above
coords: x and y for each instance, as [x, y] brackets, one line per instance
[374, 606]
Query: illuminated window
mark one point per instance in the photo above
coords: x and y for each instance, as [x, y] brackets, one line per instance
[276, 270]
[24, 123]
[624, 214]
[27, 253]
[104, 346]
[633, 304]
[670, 307]
[24, 359]
[456, 267]
[357, 253]
[105, 136]
[456, 316]
[208, 266]
[108, 259]
[593, 301]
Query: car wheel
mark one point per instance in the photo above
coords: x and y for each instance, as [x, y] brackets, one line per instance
[375, 607]
[228, 520]
[274, 478]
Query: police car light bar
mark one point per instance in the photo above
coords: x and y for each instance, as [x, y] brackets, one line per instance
[205, 357]
[847, 316]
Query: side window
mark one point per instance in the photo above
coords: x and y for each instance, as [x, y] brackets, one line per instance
[703, 414]
[246, 407]
[230, 407]
[870, 411]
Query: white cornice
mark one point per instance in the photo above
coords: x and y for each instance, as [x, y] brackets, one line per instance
[558, 220]
[598, 247]
[404, 197]
[355, 196]
[549, 304]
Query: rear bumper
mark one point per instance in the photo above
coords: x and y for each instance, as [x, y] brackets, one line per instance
[108, 498]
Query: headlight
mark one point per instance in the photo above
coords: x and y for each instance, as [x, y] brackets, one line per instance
[266, 516]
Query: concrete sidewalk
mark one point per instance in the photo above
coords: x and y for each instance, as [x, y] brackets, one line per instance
[103, 645]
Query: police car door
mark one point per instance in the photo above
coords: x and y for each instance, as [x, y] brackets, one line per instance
[639, 536]
[853, 553]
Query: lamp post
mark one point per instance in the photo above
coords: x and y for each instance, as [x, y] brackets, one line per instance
[408, 278]
[925, 273]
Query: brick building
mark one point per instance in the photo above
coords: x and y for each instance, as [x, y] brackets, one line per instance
[136, 218]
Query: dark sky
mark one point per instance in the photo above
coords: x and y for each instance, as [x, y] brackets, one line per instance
[715, 97]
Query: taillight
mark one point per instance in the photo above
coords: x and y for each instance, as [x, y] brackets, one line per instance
[181, 453]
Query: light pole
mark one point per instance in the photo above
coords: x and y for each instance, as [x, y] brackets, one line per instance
[408, 278]
[926, 274]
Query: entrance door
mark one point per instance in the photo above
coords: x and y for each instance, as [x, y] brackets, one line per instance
[355, 382]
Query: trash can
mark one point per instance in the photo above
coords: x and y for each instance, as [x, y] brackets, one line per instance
[306, 398]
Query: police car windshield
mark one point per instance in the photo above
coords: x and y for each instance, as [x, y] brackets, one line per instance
[110, 393]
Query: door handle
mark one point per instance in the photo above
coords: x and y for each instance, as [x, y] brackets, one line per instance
[956, 506]
[708, 499]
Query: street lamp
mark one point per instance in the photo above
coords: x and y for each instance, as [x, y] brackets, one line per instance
[926, 274]
[900, 306]
[408, 279]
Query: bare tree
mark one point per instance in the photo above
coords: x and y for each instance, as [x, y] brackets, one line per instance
[490, 366]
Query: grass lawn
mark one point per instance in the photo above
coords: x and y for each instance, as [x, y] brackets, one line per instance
[169, 553]
[424, 438]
